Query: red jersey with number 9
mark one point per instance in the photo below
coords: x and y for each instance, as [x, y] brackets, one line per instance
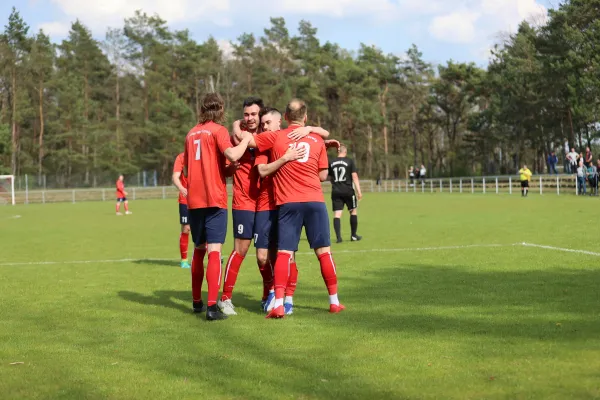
[296, 181]
[178, 167]
[205, 162]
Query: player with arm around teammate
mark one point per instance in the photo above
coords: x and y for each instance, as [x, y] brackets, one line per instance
[343, 174]
[300, 201]
[207, 145]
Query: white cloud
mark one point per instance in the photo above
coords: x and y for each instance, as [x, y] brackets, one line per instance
[55, 28]
[456, 27]
[336, 8]
[226, 47]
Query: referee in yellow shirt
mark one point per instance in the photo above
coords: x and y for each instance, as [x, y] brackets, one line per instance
[525, 178]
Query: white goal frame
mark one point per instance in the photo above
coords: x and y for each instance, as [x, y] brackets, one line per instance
[12, 186]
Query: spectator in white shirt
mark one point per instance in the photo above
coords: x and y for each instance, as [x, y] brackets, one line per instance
[573, 160]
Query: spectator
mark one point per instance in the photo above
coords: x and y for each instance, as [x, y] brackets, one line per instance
[411, 174]
[567, 164]
[589, 157]
[573, 158]
[592, 175]
[581, 174]
[422, 173]
[552, 161]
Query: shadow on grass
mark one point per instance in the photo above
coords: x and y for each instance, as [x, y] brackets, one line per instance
[173, 298]
[164, 263]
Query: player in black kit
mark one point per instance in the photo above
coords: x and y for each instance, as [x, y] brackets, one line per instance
[342, 173]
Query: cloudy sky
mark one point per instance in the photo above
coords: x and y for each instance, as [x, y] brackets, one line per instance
[463, 30]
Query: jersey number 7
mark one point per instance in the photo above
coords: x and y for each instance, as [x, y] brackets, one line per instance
[198, 149]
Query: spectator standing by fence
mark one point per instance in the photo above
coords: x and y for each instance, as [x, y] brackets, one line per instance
[589, 157]
[422, 173]
[573, 161]
[592, 175]
[552, 161]
[581, 174]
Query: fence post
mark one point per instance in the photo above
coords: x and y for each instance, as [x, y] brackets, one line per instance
[134, 193]
[483, 185]
[103, 194]
[385, 186]
[541, 185]
[576, 186]
[73, 196]
[496, 185]
[163, 193]
[558, 185]
[406, 182]
[43, 197]
[472, 186]
[26, 190]
[423, 186]
[510, 185]
[460, 185]
[441, 187]
[431, 184]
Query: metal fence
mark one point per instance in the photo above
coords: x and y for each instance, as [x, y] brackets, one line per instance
[543, 184]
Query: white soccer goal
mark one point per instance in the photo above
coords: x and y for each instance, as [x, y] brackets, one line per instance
[7, 189]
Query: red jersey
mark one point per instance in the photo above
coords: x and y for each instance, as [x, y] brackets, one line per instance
[297, 181]
[245, 183]
[120, 189]
[178, 167]
[205, 162]
[266, 194]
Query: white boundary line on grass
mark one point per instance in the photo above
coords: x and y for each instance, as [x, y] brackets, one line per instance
[401, 249]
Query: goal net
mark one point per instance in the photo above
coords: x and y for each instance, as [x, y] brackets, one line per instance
[7, 189]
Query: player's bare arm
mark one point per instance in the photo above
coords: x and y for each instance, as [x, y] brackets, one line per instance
[290, 155]
[332, 143]
[235, 153]
[304, 131]
[231, 168]
[357, 185]
[236, 131]
[177, 183]
[323, 174]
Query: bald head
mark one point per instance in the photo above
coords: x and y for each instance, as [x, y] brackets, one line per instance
[343, 151]
[295, 112]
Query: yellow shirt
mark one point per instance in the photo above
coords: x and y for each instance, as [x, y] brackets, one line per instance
[525, 174]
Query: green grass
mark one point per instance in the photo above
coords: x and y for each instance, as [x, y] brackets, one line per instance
[467, 323]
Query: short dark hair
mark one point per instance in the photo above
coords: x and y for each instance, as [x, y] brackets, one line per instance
[250, 101]
[268, 110]
[296, 110]
[212, 109]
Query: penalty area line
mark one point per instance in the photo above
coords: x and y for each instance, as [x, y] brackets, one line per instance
[401, 249]
[563, 249]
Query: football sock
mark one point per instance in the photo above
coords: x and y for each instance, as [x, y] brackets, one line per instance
[337, 225]
[282, 270]
[292, 280]
[118, 206]
[289, 300]
[329, 275]
[233, 268]
[183, 245]
[213, 277]
[267, 275]
[126, 207]
[197, 274]
[354, 224]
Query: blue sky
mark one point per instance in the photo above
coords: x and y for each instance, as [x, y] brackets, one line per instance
[462, 30]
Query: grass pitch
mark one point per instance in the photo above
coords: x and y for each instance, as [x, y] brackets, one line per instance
[433, 311]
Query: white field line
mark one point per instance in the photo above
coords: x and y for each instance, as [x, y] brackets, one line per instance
[401, 249]
[541, 246]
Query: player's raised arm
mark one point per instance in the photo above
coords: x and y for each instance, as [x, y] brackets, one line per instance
[291, 154]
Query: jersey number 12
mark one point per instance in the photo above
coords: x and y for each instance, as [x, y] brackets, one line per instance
[339, 174]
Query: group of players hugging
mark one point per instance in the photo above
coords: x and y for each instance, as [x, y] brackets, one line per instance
[277, 175]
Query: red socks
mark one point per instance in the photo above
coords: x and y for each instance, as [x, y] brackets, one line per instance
[126, 207]
[328, 272]
[231, 272]
[183, 245]
[197, 274]
[213, 277]
[267, 275]
[292, 280]
[118, 206]
[282, 271]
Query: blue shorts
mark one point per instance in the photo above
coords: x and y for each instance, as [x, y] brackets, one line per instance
[121, 199]
[265, 229]
[243, 224]
[183, 214]
[293, 216]
[208, 225]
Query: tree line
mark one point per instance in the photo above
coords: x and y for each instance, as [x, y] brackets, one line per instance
[82, 111]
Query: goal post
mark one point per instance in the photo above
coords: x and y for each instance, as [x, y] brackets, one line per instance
[7, 189]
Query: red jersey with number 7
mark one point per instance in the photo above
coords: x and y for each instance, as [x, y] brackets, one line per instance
[178, 167]
[296, 181]
[205, 162]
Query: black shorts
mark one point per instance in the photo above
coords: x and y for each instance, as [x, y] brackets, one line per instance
[183, 214]
[525, 184]
[121, 199]
[339, 200]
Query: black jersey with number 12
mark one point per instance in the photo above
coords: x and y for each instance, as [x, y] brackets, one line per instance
[340, 172]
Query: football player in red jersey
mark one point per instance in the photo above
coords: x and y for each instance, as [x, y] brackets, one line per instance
[122, 196]
[180, 182]
[207, 145]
